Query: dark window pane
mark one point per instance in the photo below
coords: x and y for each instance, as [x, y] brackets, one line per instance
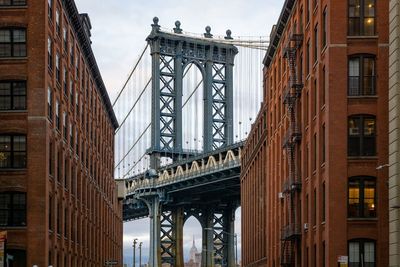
[19, 102]
[5, 50]
[19, 36]
[5, 36]
[5, 2]
[5, 102]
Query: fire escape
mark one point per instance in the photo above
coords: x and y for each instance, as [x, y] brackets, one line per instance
[291, 232]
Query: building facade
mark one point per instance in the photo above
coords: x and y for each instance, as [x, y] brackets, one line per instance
[394, 134]
[58, 199]
[314, 185]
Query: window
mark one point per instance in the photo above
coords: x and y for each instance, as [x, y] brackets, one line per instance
[323, 202]
[362, 139]
[362, 75]
[18, 257]
[50, 9]
[58, 28]
[323, 89]
[323, 144]
[12, 2]
[12, 95]
[65, 80]
[71, 92]
[12, 151]
[324, 25]
[308, 58]
[49, 53]
[65, 38]
[361, 17]
[316, 43]
[65, 124]
[362, 197]
[58, 71]
[58, 114]
[362, 253]
[49, 104]
[12, 209]
[12, 42]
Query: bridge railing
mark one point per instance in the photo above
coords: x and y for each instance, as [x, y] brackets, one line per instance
[186, 172]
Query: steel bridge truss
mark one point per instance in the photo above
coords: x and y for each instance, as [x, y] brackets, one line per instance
[171, 54]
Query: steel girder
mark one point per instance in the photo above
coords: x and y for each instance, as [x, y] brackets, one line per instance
[171, 53]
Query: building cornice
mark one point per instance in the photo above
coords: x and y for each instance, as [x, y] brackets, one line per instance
[278, 30]
[85, 44]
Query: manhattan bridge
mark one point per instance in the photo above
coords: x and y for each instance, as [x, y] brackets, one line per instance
[185, 111]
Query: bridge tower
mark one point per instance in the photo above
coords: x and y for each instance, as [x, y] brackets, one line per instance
[171, 53]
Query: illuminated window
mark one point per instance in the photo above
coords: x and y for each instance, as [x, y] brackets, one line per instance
[362, 197]
[361, 17]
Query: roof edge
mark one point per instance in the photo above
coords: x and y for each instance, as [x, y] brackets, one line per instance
[85, 44]
[277, 31]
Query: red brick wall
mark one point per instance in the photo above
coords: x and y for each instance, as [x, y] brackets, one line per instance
[88, 203]
[338, 167]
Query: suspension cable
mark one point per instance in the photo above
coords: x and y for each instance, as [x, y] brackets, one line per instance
[134, 165]
[133, 146]
[130, 75]
[134, 105]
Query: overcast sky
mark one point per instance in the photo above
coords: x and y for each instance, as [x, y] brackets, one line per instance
[120, 28]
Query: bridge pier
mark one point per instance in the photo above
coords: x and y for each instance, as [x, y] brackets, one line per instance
[154, 206]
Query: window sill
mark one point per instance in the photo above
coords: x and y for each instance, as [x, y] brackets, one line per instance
[14, 111]
[13, 7]
[14, 228]
[13, 58]
[13, 170]
[362, 219]
[362, 36]
[362, 97]
[356, 158]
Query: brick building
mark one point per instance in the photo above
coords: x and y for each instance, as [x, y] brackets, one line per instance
[313, 183]
[58, 199]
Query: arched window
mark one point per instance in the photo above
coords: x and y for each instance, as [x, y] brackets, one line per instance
[362, 197]
[361, 75]
[361, 17]
[361, 135]
[362, 253]
[12, 42]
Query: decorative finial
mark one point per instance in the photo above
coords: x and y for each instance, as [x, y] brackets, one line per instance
[177, 28]
[208, 32]
[155, 20]
[228, 35]
[155, 24]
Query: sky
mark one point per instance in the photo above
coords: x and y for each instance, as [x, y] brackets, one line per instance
[119, 30]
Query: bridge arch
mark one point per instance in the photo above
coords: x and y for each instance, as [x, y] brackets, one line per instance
[192, 106]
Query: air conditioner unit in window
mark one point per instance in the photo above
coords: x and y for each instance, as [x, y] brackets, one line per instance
[306, 226]
[281, 195]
